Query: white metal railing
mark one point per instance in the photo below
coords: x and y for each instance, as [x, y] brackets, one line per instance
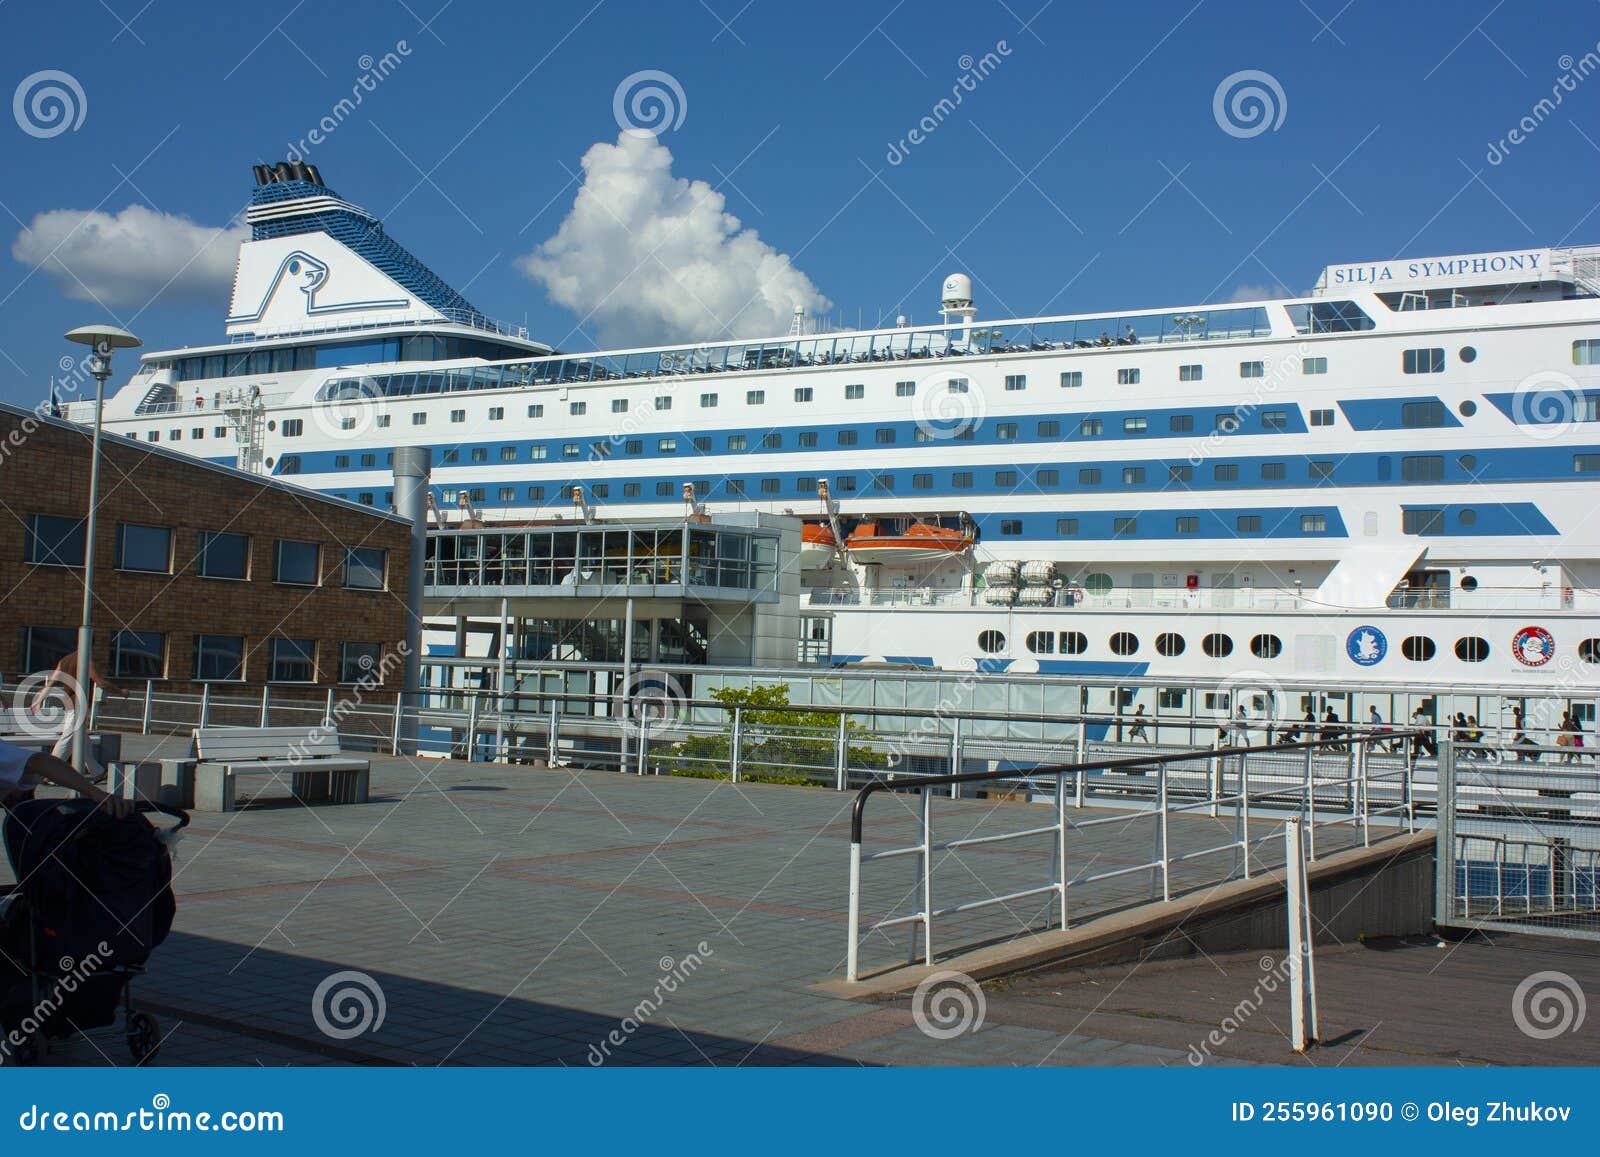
[1346, 787]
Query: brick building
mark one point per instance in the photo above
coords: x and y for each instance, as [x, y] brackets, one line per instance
[203, 574]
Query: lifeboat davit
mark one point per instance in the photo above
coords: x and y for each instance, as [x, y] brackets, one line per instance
[817, 545]
[921, 542]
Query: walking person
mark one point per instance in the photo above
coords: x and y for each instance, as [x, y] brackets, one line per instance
[65, 678]
[22, 770]
[1422, 740]
[1138, 732]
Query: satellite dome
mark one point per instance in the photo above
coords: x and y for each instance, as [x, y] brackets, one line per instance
[957, 291]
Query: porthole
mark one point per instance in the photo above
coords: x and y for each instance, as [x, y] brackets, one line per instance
[1468, 354]
[1217, 646]
[1074, 642]
[1469, 583]
[1589, 650]
[1417, 648]
[1468, 408]
[1472, 649]
[1097, 583]
[1468, 516]
[1468, 461]
[1124, 643]
[1041, 642]
[269, 463]
[991, 642]
[272, 425]
[1266, 646]
[1169, 645]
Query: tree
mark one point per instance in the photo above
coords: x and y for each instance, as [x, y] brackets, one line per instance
[778, 743]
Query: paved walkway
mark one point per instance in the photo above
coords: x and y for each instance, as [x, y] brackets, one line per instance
[517, 916]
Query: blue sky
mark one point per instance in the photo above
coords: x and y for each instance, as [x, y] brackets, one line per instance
[1086, 170]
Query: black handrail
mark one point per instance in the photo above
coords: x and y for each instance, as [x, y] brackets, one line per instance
[858, 809]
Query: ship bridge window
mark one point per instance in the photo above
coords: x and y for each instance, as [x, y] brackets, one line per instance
[1329, 317]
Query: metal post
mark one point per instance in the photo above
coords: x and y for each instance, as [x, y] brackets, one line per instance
[412, 467]
[266, 698]
[644, 741]
[955, 754]
[852, 960]
[205, 702]
[1082, 758]
[500, 682]
[1061, 846]
[927, 876]
[144, 719]
[1302, 966]
[1215, 767]
[841, 755]
[1308, 805]
[394, 735]
[1444, 832]
[553, 739]
[1244, 812]
[472, 727]
[736, 745]
[1360, 756]
[627, 698]
[327, 710]
[101, 369]
[1166, 862]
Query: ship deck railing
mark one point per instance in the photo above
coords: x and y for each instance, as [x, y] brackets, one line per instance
[1483, 598]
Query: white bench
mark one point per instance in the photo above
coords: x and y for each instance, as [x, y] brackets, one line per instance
[317, 769]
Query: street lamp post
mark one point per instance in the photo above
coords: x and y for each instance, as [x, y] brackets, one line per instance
[101, 339]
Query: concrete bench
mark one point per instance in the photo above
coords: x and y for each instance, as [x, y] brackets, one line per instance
[317, 769]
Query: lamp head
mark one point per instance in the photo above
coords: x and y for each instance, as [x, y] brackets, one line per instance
[104, 337]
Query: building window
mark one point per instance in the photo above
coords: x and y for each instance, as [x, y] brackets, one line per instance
[223, 556]
[1423, 361]
[755, 397]
[144, 548]
[1123, 527]
[138, 655]
[1066, 526]
[44, 647]
[1313, 365]
[1011, 526]
[357, 661]
[1274, 472]
[293, 661]
[1248, 524]
[54, 541]
[854, 391]
[295, 562]
[802, 393]
[218, 658]
[1252, 369]
[905, 389]
[1016, 382]
[1071, 379]
[365, 568]
[1181, 423]
[1089, 476]
[1322, 417]
[1134, 425]
[1313, 523]
[1422, 415]
[292, 427]
[1190, 373]
[1188, 524]
[1128, 376]
[1091, 427]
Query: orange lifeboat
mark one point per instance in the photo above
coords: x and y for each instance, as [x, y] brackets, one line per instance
[817, 545]
[921, 542]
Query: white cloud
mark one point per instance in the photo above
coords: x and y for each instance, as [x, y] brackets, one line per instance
[132, 257]
[649, 257]
[1258, 292]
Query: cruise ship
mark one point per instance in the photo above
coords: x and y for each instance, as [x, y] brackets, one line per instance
[1390, 480]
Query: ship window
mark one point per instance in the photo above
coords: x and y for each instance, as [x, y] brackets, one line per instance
[959, 386]
[1006, 478]
[1227, 423]
[708, 401]
[1249, 524]
[1005, 431]
[1097, 583]
[508, 493]
[1422, 415]
[1586, 463]
[1472, 649]
[1128, 376]
[570, 450]
[961, 480]
[341, 461]
[630, 490]
[991, 642]
[802, 393]
[1266, 646]
[536, 493]
[1066, 526]
[1469, 583]
[883, 482]
[1274, 420]
[772, 441]
[536, 410]
[1468, 408]
[1190, 373]
[666, 446]
[1042, 642]
[539, 451]
[618, 406]
[845, 483]
[1422, 468]
[1011, 526]
[847, 437]
[922, 482]
[292, 427]
[1274, 471]
[805, 483]
[1188, 524]
[1181, 423]
[755, 397]
[1225, 472]
[663, 401]
[461, 415]
[1091, 427]
[1423, 361]
[419, 417]
[1124, 643]
[1322, 417]
[481, 454]
[1313, 365]
[1050, 429]
[663, 490]
[1074, 642]
[735, 487]
[1320, 469]
[736, 441]
[1016, 382]
[1169, 645]
[1180, 473]
[905, 389]
[1217, 646]
[1586, 352]
[770, 485]
[1589, 650]
[1133, 475]
[1089, 476]
[1134, 425]
[1417, 648]
[854, 391]
[1252, 369]
[1313, 523]
[1422, 522]
[1048, 476]
[1073, 379]
[1467, 516]
[1123, 527]
[1467, 354]
[449, 456]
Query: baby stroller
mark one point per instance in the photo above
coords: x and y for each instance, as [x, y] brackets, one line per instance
[93, 901]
